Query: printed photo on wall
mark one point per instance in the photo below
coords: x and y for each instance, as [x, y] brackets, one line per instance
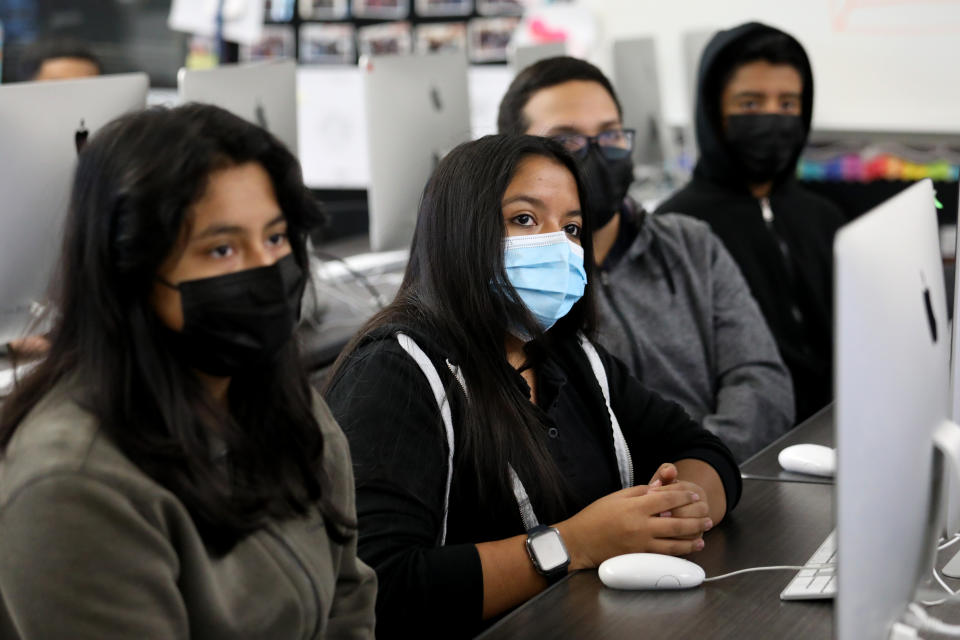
[499, 7]
[323, 9]
[276, 42]
[444, 7]
[386, 9]
[441, 37]
[488, 38]
[327, 44]
[384, 39]
[279, 10]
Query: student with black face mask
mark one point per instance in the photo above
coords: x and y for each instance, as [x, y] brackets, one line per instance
[754, 106]
[166, 471]
[672, 303]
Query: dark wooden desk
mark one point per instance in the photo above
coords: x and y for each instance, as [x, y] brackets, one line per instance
[775, 523]
[817, 429]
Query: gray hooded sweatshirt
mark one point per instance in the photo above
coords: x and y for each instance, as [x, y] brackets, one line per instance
[676, 309]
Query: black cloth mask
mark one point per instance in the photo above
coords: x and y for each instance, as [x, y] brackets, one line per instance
[238, 321]
[765, 143]
[607, 182]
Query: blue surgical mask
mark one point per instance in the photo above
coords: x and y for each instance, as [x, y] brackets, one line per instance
[547, 271]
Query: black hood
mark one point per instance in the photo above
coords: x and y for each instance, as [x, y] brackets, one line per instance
[717, 162]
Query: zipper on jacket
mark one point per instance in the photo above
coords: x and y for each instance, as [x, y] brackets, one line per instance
[634, 350]
[767, 211]
[303, 567]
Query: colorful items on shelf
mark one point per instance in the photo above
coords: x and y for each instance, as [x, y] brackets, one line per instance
[853, 168]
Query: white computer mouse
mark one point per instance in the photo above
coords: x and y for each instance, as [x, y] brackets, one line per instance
[814, 459]
[650, 571]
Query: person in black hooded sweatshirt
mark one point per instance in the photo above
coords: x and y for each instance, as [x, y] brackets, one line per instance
[753, 112]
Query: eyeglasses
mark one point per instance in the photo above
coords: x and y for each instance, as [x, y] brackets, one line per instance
[615, 144]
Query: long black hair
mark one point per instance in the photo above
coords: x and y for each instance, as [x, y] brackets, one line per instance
[132, 195]
[456, 291]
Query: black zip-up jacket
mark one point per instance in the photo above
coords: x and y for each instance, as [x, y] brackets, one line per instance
[384, 404]
[786, 252]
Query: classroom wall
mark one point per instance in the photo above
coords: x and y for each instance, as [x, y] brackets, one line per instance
[879, 65]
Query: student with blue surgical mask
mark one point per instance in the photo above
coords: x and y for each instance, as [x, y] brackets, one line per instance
[487, 428]
[671, 302]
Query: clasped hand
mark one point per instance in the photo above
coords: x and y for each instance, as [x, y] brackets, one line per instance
[666, 515]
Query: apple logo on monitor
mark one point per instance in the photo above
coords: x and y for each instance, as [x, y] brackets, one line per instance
[435, 99]
[80, 136]
[261, 115]
[931, 319]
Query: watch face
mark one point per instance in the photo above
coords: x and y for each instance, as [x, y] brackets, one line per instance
[549, 551]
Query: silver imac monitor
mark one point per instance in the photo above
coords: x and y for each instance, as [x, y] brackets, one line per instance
[952, 568]
[264, 93]
[892, 402]
[523, 56]
[955, 328]
[638, 86]
[42, 124]
[417, 109]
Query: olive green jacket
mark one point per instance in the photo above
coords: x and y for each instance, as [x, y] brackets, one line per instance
[93, 548]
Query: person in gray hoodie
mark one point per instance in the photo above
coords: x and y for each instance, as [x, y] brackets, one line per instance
[673, 304]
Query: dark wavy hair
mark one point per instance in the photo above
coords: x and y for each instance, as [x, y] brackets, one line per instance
[39, 52]
[456, 291]
[543, 75]
[134, 187]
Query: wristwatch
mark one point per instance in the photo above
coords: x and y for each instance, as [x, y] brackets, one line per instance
[547, 552]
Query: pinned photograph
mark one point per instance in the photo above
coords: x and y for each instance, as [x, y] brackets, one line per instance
[499, 7]
[441, 37]
[488, 38]
[327, 44]
[323, 9]
[276, 42]
[444, 7]
[387, 9]
[280, 10]
[385, 39]
[202, 53]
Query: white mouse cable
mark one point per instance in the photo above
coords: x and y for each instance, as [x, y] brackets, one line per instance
[375, 296]
[917, 617]
[828, 565]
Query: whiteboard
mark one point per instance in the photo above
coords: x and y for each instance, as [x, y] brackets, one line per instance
[879, 65]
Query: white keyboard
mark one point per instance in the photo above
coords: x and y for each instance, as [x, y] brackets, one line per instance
[816, 584]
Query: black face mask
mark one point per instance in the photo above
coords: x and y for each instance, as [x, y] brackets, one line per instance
[764, 143]
[239, 320]
[607, 182]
